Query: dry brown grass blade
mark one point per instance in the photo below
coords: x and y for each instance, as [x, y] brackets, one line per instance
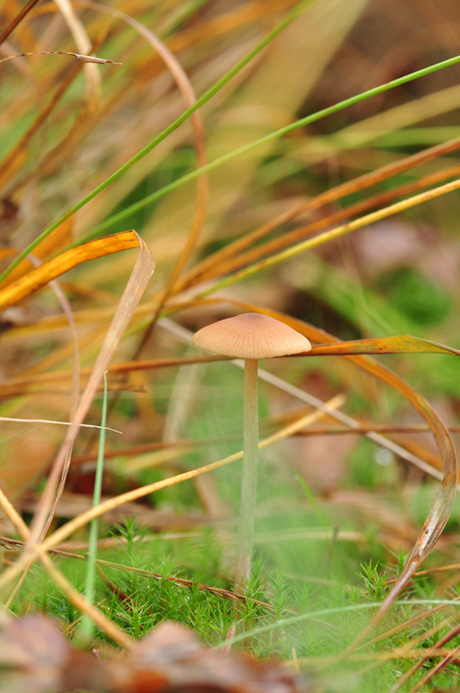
[288, 239]
[74, 597]
[269, 97]
[217, 259]
[82, 57]
[82, 604]
[437, 668]
[67, 310]
[14, 160]
[14, 517]
[404, 344]
[189, 97]
[38, 278]
[183, 582]
[401, 116]
[132, 294]
[442, 506]
[417, 619]
[52, 244]
[333, 234]
[300, 394]
[17, 20]
[19, 386]
[420, 428]
[250, 13]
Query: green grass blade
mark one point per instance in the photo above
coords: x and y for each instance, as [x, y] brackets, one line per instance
[321, 613]
[158, 194]
[87, 626]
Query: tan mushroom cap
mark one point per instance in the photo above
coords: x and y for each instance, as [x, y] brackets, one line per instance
[251, 336]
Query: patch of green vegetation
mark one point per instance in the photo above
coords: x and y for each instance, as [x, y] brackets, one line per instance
[285, 610]
[416, 296]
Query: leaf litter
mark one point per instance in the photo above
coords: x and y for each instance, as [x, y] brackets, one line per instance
[35, 657]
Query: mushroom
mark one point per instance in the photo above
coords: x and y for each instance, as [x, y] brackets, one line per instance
[250, 336]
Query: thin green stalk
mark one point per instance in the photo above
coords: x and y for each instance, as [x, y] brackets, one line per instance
[162, 136]
[311, 498]
[320, 613]
[87, 626]
[158, 194]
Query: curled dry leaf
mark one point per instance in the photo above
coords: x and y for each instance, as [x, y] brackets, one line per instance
[36, 658]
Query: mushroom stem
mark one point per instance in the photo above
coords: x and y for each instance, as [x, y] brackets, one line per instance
[249, 480]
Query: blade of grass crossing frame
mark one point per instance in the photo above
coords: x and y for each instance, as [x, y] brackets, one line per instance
[41, 276]
[314, 117]
[403, 344]
[87, 625]
[301, 7]
[235, 248]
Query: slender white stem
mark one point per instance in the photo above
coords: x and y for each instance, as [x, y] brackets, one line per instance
[249, 480]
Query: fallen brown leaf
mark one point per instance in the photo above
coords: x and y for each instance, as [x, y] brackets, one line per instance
[35, 657]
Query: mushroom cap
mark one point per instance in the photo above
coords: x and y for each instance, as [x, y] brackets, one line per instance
[251, 336]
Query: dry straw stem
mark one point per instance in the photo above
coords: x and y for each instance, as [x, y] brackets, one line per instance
[132, 294]
[14, 159]
[91, 71]
[136, 285]
[338, 232]
[14, 544]
[439, 649]
[51, 246]
[384, 345]
[79, 56]
[17, 386]
[218, 591]
[80, 603]
[58, 423]
[74, 597]
[35, 551]
[9, 163]
[422, 616]
[268, 95]
[13, 516]
[67, 310]
[439, 645]
[246, 149]
[291, 237]
[205, 268]
[19, 17]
